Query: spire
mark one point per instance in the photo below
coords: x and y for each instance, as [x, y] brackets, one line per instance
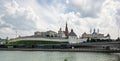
[66, 30]
[66, 24]
[60, 29]
[94, 30]
[97, 30]
[90, 30]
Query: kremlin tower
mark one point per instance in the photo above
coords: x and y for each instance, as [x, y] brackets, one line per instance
[66, 31]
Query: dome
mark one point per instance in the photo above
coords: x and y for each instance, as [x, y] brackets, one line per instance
[94, 32]
[72, 33]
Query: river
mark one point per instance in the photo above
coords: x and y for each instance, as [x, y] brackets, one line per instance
[56, 56]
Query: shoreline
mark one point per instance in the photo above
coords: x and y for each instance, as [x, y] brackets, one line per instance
[60, 50]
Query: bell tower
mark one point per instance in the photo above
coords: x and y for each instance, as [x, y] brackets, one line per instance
[66, 31]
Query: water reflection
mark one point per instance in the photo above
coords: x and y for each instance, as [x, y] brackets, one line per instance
[56, 56]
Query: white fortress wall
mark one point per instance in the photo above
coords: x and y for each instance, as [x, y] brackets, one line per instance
[44, 39]
[76, 40]
[48, 39]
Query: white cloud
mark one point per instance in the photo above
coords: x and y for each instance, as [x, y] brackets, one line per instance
[87, 8]
[108, 17]
[29, 16]
[34, 15]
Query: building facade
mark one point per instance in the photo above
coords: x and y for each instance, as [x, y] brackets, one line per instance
[73, 37]
[46, 34]
[65, 33]
[95, 35]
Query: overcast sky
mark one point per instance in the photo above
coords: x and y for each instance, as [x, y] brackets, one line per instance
[24, 17]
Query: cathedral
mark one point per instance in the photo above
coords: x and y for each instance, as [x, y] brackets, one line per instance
[63, 34]
[66, 34]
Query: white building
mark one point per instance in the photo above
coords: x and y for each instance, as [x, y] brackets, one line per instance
[45, 34]
[61, 34]
[72, 37]
[95, 35]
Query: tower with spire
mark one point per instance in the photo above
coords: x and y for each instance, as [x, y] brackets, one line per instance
[66, 31]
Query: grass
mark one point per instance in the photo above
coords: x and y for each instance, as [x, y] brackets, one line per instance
[65, 60]
[32, 42]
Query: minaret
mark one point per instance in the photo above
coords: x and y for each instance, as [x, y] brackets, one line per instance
[94, 30]
[60, 29]
[66, 31]
[90, 30]
[98, 31]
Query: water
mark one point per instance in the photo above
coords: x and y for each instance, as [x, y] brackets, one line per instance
[56, 56]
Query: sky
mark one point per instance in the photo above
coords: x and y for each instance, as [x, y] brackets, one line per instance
[24, 17]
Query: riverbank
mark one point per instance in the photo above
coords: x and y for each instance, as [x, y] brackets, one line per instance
[61, 50]
[104, 47]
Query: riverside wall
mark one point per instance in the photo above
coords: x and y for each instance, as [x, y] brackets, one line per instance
[51, 39]
[41, 39]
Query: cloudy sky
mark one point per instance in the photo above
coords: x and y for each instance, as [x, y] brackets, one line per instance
[24, 17]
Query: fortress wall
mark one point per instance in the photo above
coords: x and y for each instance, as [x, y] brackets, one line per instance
[42, 39]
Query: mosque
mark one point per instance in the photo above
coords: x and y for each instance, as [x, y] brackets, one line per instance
[95, 35]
